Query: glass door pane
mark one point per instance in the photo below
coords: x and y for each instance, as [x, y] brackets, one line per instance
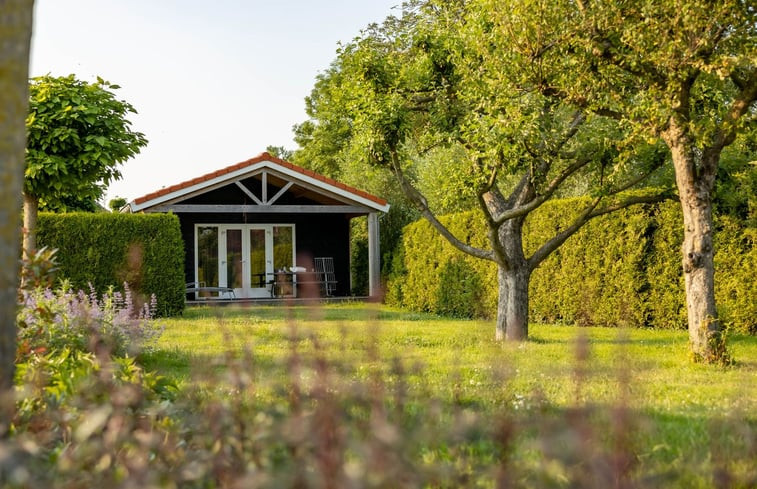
[283, 251]
[207, 258]
[234, 273]
[283, 259]
[258, 278]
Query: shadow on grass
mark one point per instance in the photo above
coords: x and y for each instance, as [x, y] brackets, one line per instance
[315, 312]
[183, 366]
[534, 338]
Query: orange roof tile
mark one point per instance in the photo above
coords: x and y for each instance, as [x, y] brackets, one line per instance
[251, 162]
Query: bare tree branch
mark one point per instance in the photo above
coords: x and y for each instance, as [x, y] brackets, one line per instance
[632, 200]
[740, 84]
[581, 102]
[551, 245]
[740, 106]
[578, 119]
[589, 212]
[422, 204]
[549, 191]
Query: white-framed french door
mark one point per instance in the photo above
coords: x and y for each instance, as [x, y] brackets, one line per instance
[243, 257]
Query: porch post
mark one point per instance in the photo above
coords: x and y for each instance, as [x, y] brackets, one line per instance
[374, 256]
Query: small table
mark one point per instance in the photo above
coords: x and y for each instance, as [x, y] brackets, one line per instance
[287, 283]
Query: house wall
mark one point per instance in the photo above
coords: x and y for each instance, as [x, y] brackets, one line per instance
[316, 235]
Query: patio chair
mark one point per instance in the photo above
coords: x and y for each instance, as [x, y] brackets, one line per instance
[324, 269]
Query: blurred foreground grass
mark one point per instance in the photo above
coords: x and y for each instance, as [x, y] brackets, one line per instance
[574, 399]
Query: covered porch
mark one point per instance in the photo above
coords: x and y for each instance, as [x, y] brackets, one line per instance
[267, 229]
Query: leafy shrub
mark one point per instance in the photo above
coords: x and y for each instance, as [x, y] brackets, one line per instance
[596, 277]
[39, 269]
[619, 269]
[144, 250]
[736, 267]
[59, 379]
[359, 257]
[459, 289]
[76, 382]
[60, 319]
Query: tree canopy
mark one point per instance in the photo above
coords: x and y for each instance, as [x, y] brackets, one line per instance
[77, 136]
[685, 73]
[441, 83]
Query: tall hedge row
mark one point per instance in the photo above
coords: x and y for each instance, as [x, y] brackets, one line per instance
[620, 269]
[144, 250]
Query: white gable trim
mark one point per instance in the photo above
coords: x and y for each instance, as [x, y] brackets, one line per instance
[242, 173]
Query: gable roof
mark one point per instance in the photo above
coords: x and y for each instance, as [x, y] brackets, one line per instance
[240, 170]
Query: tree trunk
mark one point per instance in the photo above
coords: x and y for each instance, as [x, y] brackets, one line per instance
[31, 208]
[15, 35]
[512, 306]
[699, 273]
[695, 185]
[512, 276]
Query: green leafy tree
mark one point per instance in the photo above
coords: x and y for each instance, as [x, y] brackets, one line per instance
[78, 135]
[15, 37]
[681, 71]
[442, 76]
[116, 204]
[322, 138]
[324, 147]
[280, 152]
[72, 203]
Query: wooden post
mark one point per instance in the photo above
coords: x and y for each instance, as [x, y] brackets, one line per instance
[374, 256]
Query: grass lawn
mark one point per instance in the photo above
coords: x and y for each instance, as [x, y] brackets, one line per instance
[572, 406]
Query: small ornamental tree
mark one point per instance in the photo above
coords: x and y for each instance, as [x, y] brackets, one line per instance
[115, 204]
[78, 135]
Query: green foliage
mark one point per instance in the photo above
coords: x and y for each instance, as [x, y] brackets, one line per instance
[459, 290]
[736, 185]
[72, 203]
[60, 379]
[690, 59]
[596, 278]
[116, 204]
[53, 320]
[623, 269]
[39, 269]
[359, 256]
[77, 135]
[442, 176]
[355, 396]
[279, 152]
[104, 250]
[735, 263]
[425, 269]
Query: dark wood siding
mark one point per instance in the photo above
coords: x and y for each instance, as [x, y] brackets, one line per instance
[316, 235]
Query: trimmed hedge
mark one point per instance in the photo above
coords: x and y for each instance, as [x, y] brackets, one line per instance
[620, 269]
[104, 249]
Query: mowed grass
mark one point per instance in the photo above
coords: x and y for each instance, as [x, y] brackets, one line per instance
[688, 421]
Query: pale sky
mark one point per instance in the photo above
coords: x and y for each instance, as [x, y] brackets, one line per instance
[214, 81]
